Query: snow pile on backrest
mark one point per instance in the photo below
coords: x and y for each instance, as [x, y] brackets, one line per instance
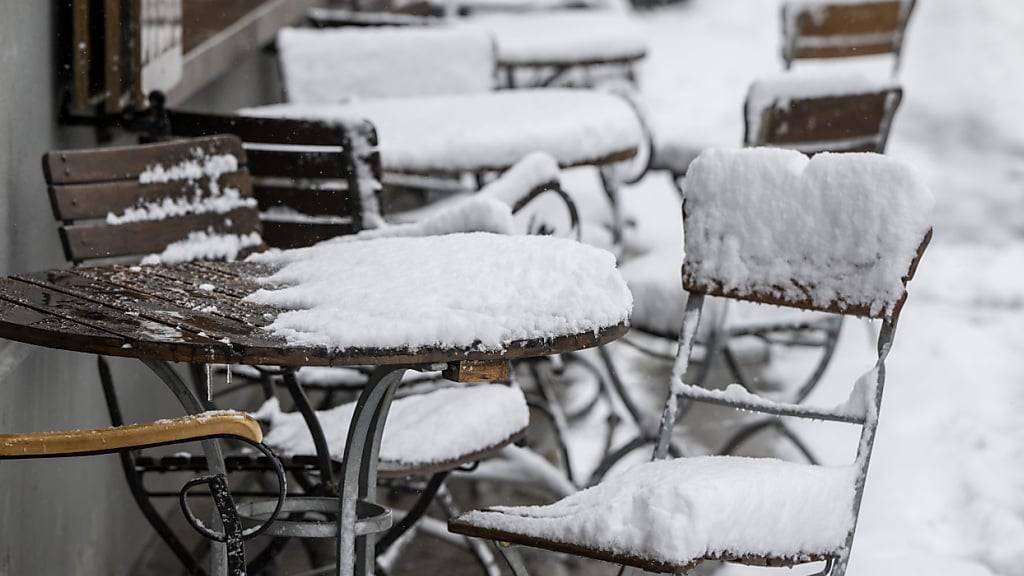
[473, 214]
[328, 66]
[480, 291]
[838, 229]
[211, 199]
[677, 511]
[533, 171]
[778, 90]
[205, 245]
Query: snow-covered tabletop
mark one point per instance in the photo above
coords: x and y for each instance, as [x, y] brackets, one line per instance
[489, 130]
[476, 291]
[564, 37]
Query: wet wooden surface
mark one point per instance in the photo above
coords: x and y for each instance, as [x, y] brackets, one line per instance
[170, 313]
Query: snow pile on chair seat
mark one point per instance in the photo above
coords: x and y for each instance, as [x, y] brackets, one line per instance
[563, 37]
[678, 511]
[838, 229]
[438, 426]
[205, 245]
[479, 291]
[777, 91]
[474, 132]
[327, 66]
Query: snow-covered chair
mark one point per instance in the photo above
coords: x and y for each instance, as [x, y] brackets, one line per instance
[839, 233]
[812, 112]
[817, 29]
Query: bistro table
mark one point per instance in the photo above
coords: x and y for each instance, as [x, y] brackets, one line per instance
[169, 313]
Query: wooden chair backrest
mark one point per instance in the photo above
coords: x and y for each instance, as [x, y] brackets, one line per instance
[313, 180]
[840, 123]
[843, 29]
[90, 190]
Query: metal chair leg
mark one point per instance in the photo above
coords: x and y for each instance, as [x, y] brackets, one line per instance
[478, 547]
[135, 483]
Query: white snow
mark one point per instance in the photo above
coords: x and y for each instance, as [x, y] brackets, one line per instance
[777, 90]
[323, 66]
[567, 36]
[210, 198]
[535, 170]
[480, 291]
[687, 508]
[471, 132]
[836, 229]
[442, 425]
[205, 245]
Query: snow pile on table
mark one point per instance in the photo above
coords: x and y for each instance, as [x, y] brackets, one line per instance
[778, 90]
[574, 36]
[493, 130]
[681, 510]
[203, 172]
[479, 291]
[836, 229]
[473, 214]
[446, 424]
[326, 66]
[205, 245]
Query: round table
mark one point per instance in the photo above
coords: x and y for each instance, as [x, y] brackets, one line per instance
[160, 314]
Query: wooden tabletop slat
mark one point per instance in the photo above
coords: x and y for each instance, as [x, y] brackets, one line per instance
[201, 322]
[155, 286]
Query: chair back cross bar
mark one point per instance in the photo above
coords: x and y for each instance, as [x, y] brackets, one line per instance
[819, 30]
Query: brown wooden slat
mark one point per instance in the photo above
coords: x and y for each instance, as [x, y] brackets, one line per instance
[138, 337]
[95, 200]
[286, 235]
[335, 201]
[461, 526]
[847, 19]
[80, 48]
[149, 306]
[771, 297]
[127, 162]
[87, 241]
[158, 287]
[130, 436]
[829, 118]
[849, 51]
[250, 129]
[33, 326]
[298, 165]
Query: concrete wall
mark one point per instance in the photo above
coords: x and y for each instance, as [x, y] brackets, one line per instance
[68, 516]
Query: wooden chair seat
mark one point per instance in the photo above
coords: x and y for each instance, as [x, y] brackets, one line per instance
[130, 437]
[427, 433]
[691, 499]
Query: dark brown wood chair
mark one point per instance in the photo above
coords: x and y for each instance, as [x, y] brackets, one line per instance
[312, 180]
[135, 201]
[844, 29]
[857, 120]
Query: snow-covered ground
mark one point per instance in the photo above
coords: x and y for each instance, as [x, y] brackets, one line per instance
[946, 491]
